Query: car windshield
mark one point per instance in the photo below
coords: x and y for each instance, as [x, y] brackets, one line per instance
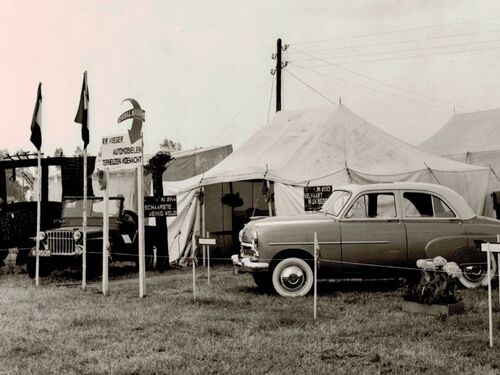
[336, 202]
[95, 207]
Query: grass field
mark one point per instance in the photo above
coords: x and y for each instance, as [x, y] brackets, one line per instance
[232, 328]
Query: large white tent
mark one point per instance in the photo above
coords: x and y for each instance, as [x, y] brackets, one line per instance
[471, 138]
[332, 146]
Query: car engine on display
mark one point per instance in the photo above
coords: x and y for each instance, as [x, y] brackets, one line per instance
[368, 231]
[62, 246]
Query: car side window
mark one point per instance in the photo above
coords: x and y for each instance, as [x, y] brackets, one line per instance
[373, 205]
[441, 209]
[425, 205]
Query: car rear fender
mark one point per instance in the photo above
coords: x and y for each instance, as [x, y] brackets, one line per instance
[445, 246]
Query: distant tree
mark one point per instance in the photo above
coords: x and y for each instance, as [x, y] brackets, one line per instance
[171, 146]
[78, 151]
[3, 153]
[59, 152]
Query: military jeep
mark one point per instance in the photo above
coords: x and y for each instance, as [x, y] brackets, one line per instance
[62, 246]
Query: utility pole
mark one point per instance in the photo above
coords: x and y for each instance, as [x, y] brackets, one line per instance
[279, 65]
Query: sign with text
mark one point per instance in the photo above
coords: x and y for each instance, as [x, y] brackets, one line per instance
[315, 196]
[117, 152]
[160, 206]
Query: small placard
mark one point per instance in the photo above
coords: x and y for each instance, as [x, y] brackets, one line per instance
[494, 247]
[207, 241]
[160, 206]
[316, 196]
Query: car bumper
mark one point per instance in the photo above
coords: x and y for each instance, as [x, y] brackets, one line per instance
[242, 265]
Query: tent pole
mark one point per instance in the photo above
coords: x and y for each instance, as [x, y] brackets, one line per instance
[203, 222]
[269, 203]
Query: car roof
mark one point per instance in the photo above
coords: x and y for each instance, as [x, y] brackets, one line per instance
[457, 202]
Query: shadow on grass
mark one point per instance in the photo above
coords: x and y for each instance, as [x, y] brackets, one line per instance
[330, 288]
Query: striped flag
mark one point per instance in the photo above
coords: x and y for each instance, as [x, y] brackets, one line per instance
[82, 116]
[36, 122]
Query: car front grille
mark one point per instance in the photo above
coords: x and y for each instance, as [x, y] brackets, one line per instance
[61, 242]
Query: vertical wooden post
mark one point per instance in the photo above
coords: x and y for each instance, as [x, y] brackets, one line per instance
[105, 236]
[490, 308]
[38, 219]
[208, 260]
[270, 203]
[140, 206]
[315, 299]
[193, 246]
[84, 223]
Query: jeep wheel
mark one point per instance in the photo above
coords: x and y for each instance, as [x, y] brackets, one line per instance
[292, 277]
[475, 275]
[43, 270]
[263, 280]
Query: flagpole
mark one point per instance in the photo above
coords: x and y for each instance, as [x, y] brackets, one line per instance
[38, 210]
[84, 254]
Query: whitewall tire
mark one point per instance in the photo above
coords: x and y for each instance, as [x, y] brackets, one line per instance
[292, 277]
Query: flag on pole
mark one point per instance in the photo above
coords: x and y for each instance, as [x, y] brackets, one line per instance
[36, 122]
[82, 115]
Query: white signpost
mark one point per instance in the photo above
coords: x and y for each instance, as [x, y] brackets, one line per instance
[491, 248]
[125, 151]
[207, 242]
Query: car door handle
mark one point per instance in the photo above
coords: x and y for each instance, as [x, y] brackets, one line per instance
[393, 220]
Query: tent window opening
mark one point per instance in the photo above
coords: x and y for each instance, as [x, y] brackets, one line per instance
[373, 205]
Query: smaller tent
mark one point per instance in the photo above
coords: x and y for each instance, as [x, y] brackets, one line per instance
[472, 138]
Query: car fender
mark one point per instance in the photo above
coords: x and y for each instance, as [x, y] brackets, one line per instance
[445, 246]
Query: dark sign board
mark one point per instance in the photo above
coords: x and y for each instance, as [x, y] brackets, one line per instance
[160, 206]
[315, 196]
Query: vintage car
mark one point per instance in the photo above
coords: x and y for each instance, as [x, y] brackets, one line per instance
[62, 246]
[368, 231]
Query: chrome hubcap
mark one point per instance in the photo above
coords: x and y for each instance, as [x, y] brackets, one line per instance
[293, 278]
[474, 272]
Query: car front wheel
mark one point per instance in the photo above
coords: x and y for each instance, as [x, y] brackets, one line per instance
[475, 275]
[292, 277]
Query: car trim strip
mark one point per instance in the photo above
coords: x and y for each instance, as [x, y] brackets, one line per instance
[330, 243]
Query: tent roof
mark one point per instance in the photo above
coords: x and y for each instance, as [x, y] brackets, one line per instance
[300, 146]
[466, 132]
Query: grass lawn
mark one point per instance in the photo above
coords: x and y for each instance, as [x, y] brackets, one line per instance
[232, 328]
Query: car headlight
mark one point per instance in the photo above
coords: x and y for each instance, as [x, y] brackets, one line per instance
[77, 235]
[240, 235]
[253, 236]
[41, 236]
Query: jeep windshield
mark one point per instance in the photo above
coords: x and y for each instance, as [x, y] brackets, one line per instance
[336, 202]
[95, 207]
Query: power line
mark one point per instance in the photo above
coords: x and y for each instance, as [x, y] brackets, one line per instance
[403, 50]
[242, 109]
[270, 99]
[397, 31]
[373, 89]
[371, 78]
[312, 88]
[403, 41]
[410, 57]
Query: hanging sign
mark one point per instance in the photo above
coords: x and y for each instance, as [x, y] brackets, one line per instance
[117, 152]
[138, 116]
[316, 196]
[160, 206]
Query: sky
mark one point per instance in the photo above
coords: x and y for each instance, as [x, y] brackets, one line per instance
[201, 69]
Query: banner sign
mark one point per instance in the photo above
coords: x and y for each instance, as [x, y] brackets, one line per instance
[160, 206]
[316, 196]
[133, 113]
[117, 152]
